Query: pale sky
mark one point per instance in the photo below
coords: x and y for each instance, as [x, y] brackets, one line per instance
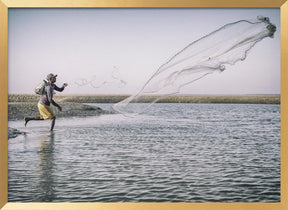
[115, 51]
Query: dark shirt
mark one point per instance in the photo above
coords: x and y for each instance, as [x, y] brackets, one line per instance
[47, 98]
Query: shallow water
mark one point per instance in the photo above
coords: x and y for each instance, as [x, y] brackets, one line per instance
[172, 153]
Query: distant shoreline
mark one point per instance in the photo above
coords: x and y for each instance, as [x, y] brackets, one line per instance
[23, 105]
[238, 99]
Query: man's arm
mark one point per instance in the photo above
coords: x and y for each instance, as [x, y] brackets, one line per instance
[60, 89]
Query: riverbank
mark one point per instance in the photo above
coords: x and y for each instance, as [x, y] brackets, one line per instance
[249, 99]
[21, 105]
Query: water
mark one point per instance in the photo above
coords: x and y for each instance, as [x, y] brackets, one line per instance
[173, 153]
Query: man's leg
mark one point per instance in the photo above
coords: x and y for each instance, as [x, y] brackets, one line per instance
[27, 119]
[52, 123]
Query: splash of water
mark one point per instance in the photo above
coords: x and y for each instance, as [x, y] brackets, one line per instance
[227, 45]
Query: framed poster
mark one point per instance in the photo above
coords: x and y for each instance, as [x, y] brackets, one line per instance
[107, 48]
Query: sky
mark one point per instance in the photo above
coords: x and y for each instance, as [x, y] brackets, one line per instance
[115, 51]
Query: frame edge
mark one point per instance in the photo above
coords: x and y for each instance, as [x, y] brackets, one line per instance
[3, 103]
[4, 5]
[140, 3]
[284, 103]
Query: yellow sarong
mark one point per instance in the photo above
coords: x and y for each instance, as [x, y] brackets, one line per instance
[45, 111]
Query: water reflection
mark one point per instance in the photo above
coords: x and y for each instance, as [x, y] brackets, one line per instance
[46, 168]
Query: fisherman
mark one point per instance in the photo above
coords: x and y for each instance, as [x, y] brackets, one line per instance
[45, 100]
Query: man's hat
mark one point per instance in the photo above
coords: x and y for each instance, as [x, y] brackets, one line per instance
[49, 76]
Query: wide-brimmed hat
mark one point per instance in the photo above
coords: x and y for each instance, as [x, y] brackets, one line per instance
[49, 76]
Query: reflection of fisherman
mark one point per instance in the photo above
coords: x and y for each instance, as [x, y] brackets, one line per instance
[45, 185]
[45, 100]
